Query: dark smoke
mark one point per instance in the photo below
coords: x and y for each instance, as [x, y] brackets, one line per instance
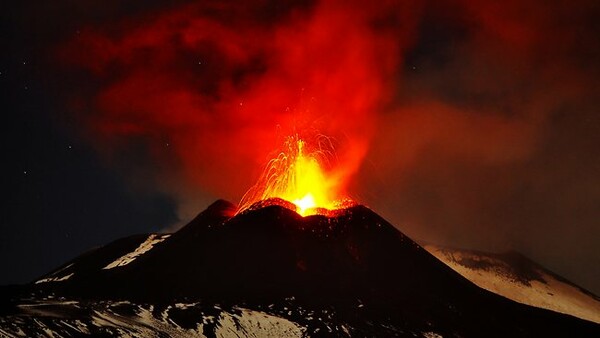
[493, 140]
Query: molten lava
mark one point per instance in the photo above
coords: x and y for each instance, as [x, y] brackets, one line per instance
[297, 175]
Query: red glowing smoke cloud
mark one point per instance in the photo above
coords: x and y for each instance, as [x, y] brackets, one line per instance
[486, 111]
[222, 86]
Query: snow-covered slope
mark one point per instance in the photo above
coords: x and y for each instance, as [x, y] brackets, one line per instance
[515, 277]
[67, 318]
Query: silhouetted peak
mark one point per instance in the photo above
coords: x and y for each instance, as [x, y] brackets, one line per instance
[224, 207]
[216, 213]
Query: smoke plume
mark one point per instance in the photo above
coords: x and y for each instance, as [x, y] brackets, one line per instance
[468, 123]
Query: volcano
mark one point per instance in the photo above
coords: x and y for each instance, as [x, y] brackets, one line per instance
[270, 272]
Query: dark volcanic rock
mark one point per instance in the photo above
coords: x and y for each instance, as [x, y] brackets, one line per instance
[363, 276]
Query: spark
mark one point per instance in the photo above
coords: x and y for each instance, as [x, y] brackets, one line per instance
[298, 175]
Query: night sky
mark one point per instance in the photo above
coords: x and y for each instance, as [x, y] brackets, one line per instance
[466, 123]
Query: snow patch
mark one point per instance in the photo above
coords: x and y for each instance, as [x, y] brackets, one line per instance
[256, 324]
[146, 246]
[61, 270]
[55, 279]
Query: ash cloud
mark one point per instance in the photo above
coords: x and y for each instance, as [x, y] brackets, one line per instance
[467, 123]
[493, 140]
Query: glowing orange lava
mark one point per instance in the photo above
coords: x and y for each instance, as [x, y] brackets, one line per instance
[297, 175]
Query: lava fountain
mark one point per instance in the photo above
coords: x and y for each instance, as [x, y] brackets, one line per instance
[298, 174]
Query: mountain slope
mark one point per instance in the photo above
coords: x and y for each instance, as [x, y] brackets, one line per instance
[516, 277]
[349, 274]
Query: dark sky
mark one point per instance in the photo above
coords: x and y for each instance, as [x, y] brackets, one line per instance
[466, 123]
